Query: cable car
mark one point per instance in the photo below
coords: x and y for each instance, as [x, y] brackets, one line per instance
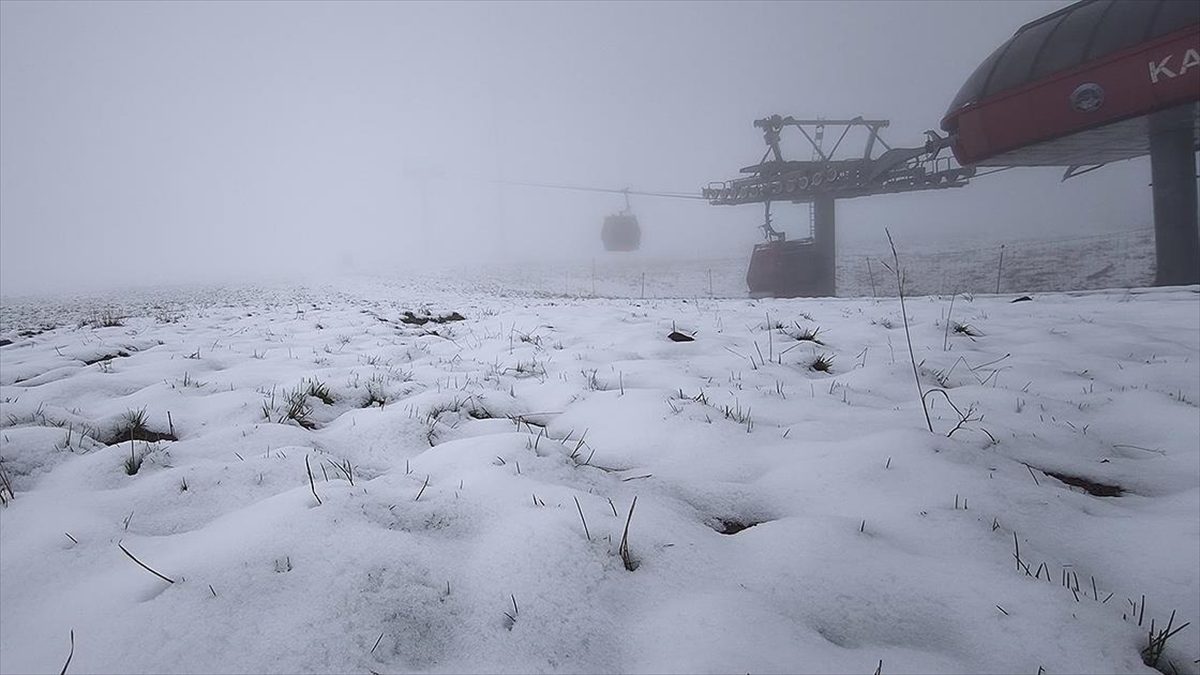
[787, 269]
[621, 231]
[783, 268]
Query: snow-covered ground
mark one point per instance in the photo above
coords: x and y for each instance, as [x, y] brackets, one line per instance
[348, 492]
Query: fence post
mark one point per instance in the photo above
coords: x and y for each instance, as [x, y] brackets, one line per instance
[999, 268]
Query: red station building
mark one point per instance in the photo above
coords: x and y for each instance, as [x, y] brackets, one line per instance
[1097, 82]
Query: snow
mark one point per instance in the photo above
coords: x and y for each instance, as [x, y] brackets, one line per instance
[447, 536]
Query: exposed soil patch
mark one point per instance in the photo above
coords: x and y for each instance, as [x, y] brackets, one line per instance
[414, 320]
[147, 435]
[480, 413]
[106, 357]
[733, 526]
[1089, 486]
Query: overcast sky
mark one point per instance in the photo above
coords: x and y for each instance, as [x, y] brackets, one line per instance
[181, 141]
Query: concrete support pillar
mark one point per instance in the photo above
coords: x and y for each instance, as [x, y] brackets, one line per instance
[825, 235]
[1173, 172]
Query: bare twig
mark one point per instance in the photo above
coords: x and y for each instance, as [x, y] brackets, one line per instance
[69, 654]
[311, 483]
[144, 565]
[623, 549]
[585, 527]
[908, 336]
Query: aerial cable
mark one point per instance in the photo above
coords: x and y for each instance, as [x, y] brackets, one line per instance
[587, 188]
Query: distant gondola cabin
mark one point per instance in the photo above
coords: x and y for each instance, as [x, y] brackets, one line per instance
[621, 232]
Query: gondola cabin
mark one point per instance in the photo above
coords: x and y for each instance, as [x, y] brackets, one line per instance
[788, 269]
[621, 232]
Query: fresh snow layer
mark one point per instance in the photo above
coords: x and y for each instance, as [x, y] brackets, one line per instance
[787, 519]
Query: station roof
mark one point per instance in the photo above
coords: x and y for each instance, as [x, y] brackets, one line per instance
[1079, 33]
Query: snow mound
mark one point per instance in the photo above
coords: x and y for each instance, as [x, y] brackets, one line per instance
[319, 483]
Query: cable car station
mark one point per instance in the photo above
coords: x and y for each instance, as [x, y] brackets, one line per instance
[806, 267]
[1096, 82]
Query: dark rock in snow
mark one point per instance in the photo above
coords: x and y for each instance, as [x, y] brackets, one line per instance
[733, 526]
[1087, 485]
[676, 336]
[414, 320]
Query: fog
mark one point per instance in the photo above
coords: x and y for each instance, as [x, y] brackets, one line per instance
[148, 143]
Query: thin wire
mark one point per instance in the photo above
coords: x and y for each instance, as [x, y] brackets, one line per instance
[586, 188]
[1014, 244]
[988, 173]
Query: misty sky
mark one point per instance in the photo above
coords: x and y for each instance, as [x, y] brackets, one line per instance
[149, 142]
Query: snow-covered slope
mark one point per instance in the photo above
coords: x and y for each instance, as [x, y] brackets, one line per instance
[352, 490]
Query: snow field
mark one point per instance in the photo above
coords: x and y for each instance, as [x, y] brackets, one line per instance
[787, 519]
